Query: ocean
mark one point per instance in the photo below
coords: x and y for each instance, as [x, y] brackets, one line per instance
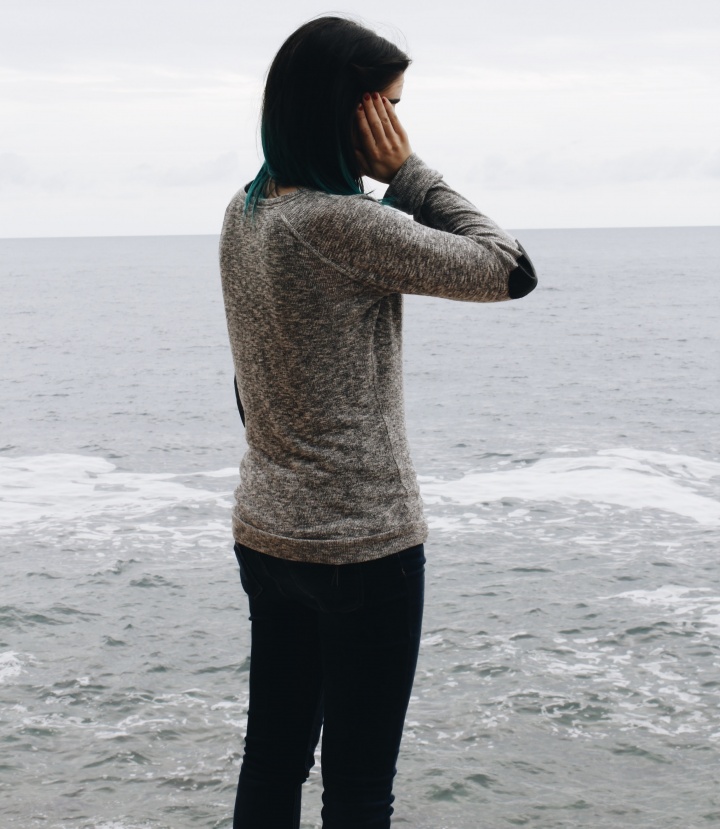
[567, 448]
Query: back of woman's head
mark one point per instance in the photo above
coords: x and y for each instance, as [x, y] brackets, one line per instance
[313, 88]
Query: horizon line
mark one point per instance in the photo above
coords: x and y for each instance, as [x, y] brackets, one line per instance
[509, 229]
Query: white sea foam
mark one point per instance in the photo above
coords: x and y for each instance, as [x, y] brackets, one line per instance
[85, 490]
[71, 487]
[227, 472]
[683, 602]
[10, 665]
[684, 465]
[623, 477]
[115, 824]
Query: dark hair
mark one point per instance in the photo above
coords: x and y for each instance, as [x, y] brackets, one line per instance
[312, 90]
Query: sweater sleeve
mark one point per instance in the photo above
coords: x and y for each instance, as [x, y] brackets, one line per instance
[451, 250]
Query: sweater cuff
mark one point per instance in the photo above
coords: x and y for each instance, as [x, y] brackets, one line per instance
[410, 184]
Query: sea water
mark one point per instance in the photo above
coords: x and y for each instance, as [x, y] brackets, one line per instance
[567, 451]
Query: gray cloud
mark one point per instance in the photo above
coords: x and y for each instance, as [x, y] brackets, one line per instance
[562, 169]
[711, 165]
[128, 99]
[14, 170]
[219, 32]
[223, 168]
[17, 172]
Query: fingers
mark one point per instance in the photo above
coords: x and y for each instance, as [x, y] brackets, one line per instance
[366, 134]
[376, 113]
[394, 120]
[384, 144]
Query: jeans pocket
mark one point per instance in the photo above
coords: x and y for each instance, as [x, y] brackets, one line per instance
[251, 585]
[412, 560]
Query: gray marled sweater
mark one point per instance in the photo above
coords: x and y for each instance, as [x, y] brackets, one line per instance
[313, 289]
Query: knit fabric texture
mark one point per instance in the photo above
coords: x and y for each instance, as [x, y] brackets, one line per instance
[313, 288]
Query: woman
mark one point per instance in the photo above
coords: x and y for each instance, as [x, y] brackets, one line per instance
[328, 522]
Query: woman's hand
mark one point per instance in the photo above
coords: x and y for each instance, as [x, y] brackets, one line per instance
[382, 146]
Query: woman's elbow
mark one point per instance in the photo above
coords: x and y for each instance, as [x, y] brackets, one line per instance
[522, 279]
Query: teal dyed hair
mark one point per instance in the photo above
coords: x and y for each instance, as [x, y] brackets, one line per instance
[312, 91]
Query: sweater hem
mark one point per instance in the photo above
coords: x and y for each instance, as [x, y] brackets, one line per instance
[330, 550]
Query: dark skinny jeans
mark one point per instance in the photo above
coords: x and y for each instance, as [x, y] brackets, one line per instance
[332, 646]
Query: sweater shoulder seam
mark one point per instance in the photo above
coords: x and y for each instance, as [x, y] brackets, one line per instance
[340, 268]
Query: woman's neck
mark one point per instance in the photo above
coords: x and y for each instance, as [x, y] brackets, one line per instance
[273, 190]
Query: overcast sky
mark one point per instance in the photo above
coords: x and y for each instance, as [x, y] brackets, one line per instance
[139, 117]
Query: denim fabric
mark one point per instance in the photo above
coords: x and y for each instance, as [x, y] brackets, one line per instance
[332, 646]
